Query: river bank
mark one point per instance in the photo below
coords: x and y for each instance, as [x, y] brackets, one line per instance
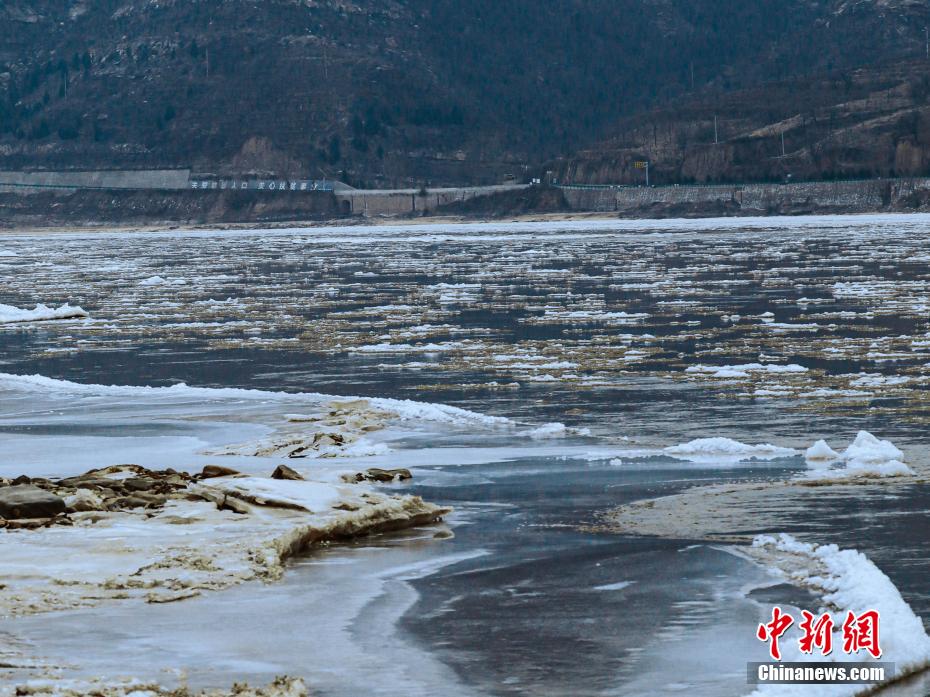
[229, 209]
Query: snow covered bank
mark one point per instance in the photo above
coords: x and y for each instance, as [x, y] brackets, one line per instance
[847, 581]
[866, 456]
[162, 540]
[40, 313]
[725, 450]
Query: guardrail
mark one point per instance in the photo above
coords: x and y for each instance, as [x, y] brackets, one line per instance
[707, 185]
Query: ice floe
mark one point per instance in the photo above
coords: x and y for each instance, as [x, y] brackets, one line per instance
[40, 313]
[556, 430]
[745, 370]
[866, 456]
[726, 450]
[821, 452]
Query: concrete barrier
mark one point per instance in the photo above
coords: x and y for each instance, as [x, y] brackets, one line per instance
[390, 202]
[158, 179]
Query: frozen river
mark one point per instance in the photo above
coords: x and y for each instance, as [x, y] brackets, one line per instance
[608, 346]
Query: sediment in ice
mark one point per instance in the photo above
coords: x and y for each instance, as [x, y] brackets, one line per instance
[185, 539]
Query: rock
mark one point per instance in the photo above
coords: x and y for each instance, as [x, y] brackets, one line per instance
[131, 502]
[285, 472]
[84, 500]
[376, 474]
[139, 484]
[214, 471]
[35, 523]
[21, 479]
[27, 501]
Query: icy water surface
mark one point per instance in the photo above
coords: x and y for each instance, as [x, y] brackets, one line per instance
[649, 334]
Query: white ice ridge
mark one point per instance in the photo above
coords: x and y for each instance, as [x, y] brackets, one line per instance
[848, 582]
[866, 456]
[40, 313]
[704, 450]
[745, 370]
[405, 410]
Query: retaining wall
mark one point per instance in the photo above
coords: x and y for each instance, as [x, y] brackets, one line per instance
[156, 179]
[850, 196]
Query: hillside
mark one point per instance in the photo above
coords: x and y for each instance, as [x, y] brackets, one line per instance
[868, 122]
[401, 92]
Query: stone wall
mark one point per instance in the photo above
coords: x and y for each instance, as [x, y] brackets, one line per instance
[749, 199]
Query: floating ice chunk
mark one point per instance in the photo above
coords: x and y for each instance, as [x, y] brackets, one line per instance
[848, 582]
[153, 281]
[866, 456]
[726, 450]
[821, 452]
[40, 313]
[557, 430]
[410, 348]
[744, 370]
[889, 468]
[874, 380]
[868, 449]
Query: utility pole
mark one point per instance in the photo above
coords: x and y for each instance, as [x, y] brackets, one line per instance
[782, 143]
[927, 34]
[692, 76]
[716, 139]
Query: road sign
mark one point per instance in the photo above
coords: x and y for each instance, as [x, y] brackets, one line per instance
[641, 164]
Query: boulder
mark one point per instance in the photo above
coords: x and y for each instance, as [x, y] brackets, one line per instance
[214, 471]
[285, 472]
[28, 501]
[376, 474]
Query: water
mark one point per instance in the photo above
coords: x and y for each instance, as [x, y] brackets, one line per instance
[594, 326]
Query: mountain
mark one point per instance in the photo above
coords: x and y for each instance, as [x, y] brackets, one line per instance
[391, 92]
[863, 123]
